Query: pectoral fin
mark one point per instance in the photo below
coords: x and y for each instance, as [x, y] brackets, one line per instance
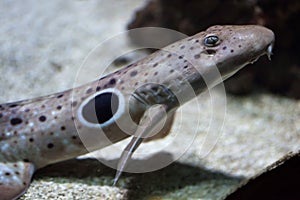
[165, 130]
[14, 179]
[150, 122]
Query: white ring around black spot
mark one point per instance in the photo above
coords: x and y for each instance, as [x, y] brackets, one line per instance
[116, 115]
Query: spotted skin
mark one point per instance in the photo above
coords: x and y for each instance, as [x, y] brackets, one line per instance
[45, 130]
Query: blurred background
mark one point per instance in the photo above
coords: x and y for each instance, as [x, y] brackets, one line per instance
[281, 76]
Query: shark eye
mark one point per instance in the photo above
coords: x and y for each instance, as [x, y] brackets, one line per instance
[211, 41]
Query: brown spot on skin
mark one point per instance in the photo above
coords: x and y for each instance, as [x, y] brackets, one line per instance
[43, 106]
[197, 56]
[185, 67]
[182, 47]
[133, 73]
[16, 172]
[169, 55]
[191, 48]
[60, 96]
[112, 81]
[27, 110]
[58, 107]
[155, 64]
[231, 50]
[98, 88]
[74, 103]
[172, 70]
[42, 118]
[240, 46]
[7, 174]
[224, 48]
[15, 121]
[155, 73]
[89, 91]
[180, 57]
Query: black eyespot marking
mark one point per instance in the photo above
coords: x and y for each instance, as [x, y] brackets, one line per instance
[101, 108]
[16, 121]
[50, 145]
[224, 48]
[42, 118]
[231, 50]
[211, 41]
[31, 139]
[13, 105]
[155, 64]
[63, 128]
